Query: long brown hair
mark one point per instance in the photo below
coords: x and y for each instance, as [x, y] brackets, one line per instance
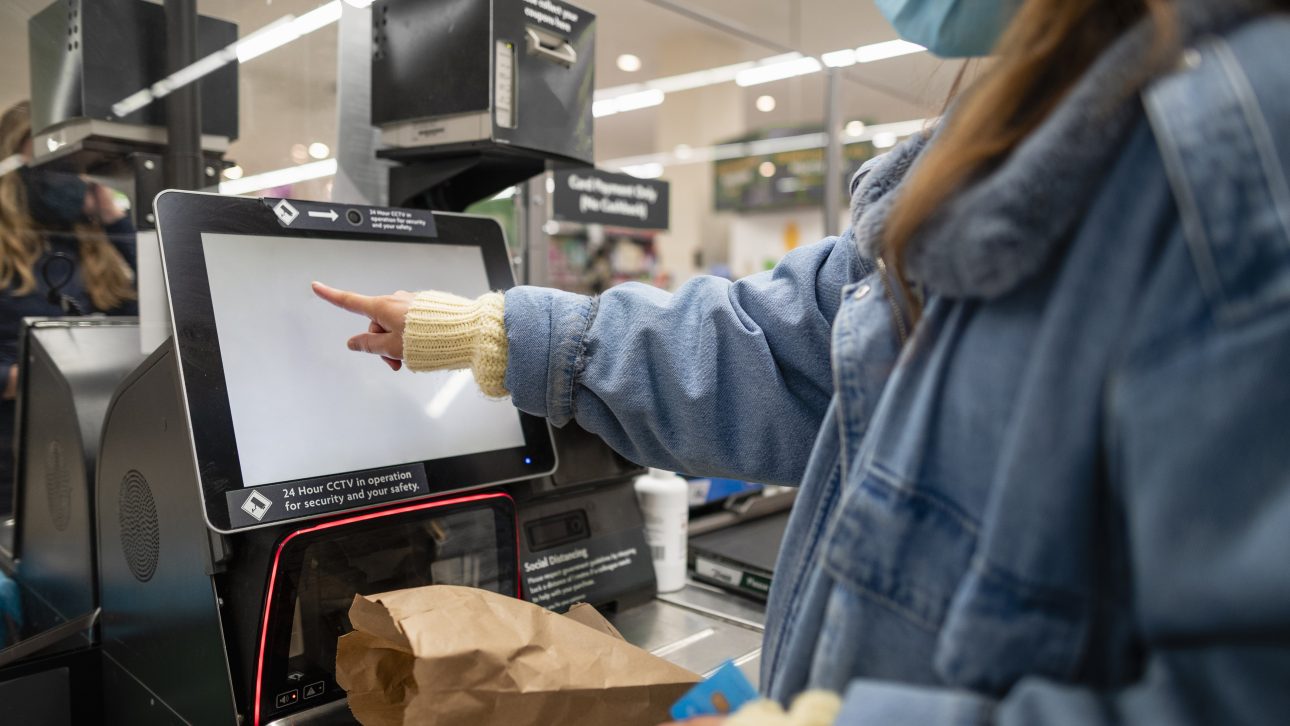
[1045, 50]
[102, 267]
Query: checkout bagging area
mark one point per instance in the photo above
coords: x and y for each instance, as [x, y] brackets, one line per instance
[202, 490]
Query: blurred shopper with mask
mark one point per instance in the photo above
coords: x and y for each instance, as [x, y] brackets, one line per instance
[65, 249]
[1048, 365]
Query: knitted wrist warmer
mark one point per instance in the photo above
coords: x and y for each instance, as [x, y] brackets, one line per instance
[445, 332]
[810, 708]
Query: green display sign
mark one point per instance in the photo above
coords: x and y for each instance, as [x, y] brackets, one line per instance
[781, 180]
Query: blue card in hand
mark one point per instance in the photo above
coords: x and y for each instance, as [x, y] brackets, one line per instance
[720, 694]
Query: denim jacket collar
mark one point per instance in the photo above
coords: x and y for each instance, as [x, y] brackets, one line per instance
[1004, 227]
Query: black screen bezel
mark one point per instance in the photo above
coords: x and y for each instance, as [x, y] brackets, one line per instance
[182, 218]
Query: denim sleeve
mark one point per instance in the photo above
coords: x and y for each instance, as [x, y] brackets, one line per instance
[1199, 459]
[719, 378]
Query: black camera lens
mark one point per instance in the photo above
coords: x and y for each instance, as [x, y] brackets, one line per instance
[354, 216]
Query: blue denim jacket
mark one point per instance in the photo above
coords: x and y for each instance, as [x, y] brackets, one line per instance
[1066, 498]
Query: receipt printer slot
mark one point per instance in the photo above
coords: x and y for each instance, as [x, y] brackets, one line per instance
[548, 45]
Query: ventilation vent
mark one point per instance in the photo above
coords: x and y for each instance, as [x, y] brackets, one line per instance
[58, 488]
[140, 537]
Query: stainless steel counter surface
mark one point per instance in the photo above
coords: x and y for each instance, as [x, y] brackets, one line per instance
[699, 628]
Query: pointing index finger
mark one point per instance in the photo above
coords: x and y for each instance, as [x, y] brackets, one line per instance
[351, 301]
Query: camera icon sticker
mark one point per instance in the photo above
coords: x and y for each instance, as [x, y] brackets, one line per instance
[286, 212]
[257, 505]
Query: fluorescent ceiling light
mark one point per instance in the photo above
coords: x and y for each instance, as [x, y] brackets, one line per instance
[279, 177]
[286, 29]
[839, 58]
[777, 71]
[885, 50]
[319, 17]
[884, 140]
[651, 170]
[627, 102]
[274, 35]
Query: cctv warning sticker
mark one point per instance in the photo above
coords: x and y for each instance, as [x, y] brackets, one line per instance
[334, 217]
[322, 495]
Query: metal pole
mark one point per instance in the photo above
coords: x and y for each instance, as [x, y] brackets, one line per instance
[536, 243]
[832, 153]
[361, 178]
[183, 106]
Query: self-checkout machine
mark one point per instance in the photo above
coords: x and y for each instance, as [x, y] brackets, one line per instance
[84, 57]
[254, 476]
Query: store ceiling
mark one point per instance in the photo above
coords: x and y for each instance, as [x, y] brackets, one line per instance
[288, 96]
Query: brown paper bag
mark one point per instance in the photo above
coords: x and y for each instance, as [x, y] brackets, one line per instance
[457, 656]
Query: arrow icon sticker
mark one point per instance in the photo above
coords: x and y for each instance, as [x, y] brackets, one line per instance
[329, 214]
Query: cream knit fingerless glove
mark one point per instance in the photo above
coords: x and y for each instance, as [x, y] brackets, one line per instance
[446, 332]
[811, 708]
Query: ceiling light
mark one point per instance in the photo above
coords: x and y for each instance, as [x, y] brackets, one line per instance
[629, 63]
[233, 172]
[777, 71]
[765, 104]
[766, 169]
[279, 177]
[627, 102]
[854, 128]
[319, 150]
[652, 170]
[285, 30]
[887, 49]
[839, 58]
[884, 140]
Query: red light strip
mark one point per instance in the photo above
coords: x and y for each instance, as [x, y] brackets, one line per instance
[273, 573]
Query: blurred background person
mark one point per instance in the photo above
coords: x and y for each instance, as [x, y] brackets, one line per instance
[65, 249]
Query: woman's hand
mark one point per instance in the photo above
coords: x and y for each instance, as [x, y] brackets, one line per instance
[385, 314]
[100, 205]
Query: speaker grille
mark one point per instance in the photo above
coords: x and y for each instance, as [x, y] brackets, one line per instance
[140, 536]
[58, 488]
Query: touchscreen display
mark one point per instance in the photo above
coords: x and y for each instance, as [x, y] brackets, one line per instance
[303, 405]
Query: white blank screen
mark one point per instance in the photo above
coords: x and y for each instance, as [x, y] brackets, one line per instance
[303, 404]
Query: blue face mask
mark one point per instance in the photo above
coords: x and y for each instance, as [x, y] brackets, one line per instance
[951, 28]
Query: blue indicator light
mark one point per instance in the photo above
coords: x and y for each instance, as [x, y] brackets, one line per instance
[528, 460]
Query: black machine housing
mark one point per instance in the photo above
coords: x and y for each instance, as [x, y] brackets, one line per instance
[86, 55]
[69, 368]
[474, 97]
